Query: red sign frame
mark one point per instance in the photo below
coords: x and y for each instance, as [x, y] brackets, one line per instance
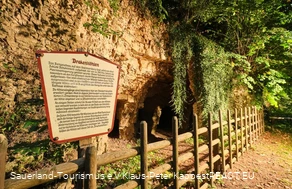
[53, 136]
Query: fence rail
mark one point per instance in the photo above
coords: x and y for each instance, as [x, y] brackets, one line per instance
[227, 141]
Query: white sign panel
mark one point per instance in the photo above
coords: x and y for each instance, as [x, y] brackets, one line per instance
[80, 93]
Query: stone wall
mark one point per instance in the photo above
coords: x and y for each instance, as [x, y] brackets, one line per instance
[135, 42]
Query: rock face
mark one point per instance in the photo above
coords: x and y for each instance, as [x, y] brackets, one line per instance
[124, 36]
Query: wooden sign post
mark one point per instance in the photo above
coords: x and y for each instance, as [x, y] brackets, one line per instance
[80, 95]
[87, 149]
[3, 153]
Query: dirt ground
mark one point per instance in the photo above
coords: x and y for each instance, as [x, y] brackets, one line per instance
[268, 164]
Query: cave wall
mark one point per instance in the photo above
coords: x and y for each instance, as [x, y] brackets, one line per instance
[138, 44]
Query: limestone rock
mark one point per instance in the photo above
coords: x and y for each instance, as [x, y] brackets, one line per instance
[137, 43]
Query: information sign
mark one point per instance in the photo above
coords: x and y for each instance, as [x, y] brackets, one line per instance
[80, 94]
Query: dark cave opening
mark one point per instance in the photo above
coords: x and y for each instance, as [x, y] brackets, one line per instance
[165, 121]
[163, 124]
[115, 133]
[157, 111]
[155, 108]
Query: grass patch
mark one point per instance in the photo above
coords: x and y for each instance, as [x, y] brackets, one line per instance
[191, 140]
[120, 172]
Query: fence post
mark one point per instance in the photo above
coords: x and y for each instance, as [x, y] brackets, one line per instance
[216, 149]
[246, 131]
[175, 151]
[196, 152]
[82, 152]
[144, 155]
[254, 125]
[263, 119]
[222, 141]
[236, 134]
[3, 153]
[254, 131]
[229, 139]
[256, 121]
[250, 123]
[90, 167]
[241, 130]
[259, 122]
[211, 166]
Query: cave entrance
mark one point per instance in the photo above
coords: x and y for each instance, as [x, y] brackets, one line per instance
[115, 132]
[165, 121]
[156, 111]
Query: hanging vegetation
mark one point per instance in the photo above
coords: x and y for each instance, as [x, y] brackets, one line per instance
[246, 41]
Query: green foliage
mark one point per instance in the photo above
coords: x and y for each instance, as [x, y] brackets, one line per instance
[191, 140]
[27, 156]
[181, 55]
[10, 67]
[257, 36]
[282, 125]
[241, 68]
[120, 172]
[258, 31]
[32, 125]
[114, 4]
[210, 65]
[10, 121]
[98, 23]
[59, 153]
[155, 7]
[272, 52]
[220, 180]
[213, 73]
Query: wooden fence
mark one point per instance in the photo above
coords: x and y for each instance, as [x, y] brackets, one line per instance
[274, 120]
[227, 140]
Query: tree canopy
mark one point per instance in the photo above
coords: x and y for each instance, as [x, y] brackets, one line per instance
[255, 35]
